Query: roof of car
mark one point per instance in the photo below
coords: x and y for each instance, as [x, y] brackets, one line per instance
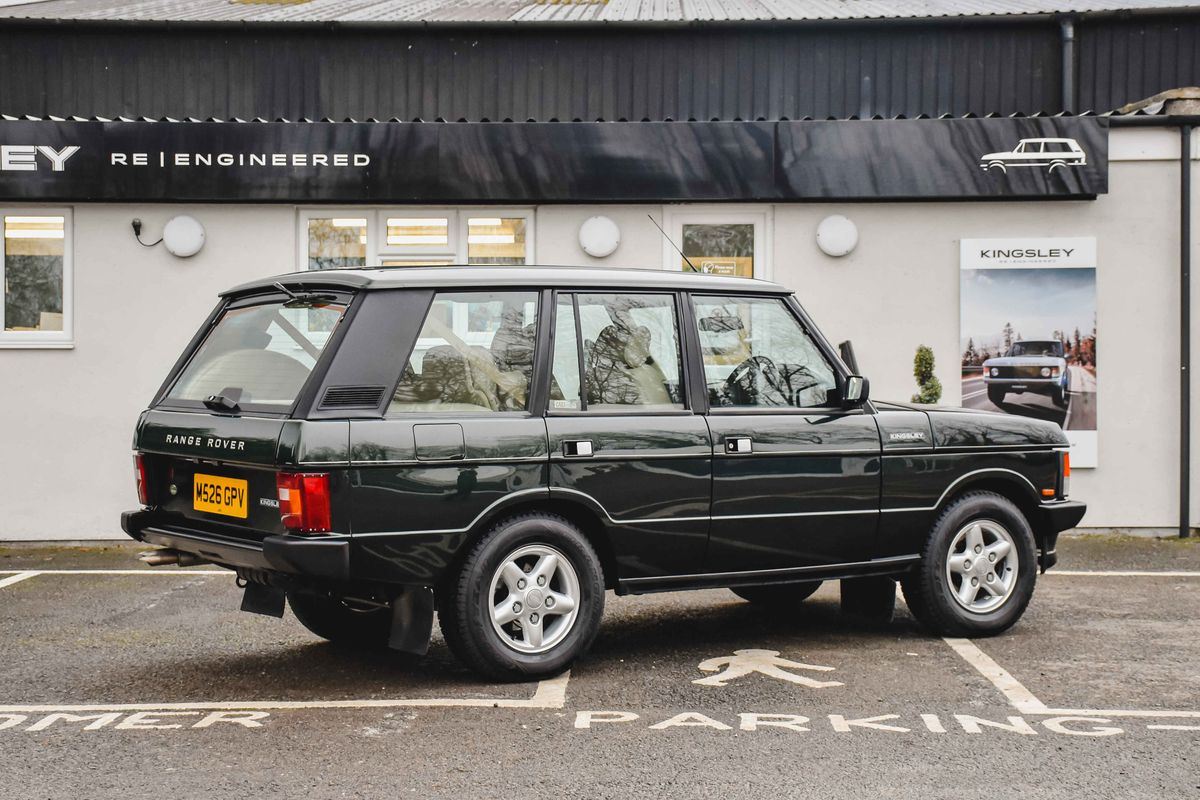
[490, 277]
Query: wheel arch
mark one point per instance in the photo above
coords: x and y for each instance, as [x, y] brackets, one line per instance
[577, 511]
[1009, 484]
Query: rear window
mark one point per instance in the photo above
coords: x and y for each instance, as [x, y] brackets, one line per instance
[258, 357]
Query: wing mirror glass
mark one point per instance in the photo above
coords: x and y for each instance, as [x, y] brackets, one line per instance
[857, 390]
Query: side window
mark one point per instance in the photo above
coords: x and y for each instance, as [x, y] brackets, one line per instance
[757, 355]
[565, 384]
[474, 353]
[630, 354]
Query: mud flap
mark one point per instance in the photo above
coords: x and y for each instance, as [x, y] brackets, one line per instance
[412, 621]
[873, 598]
[265, 600]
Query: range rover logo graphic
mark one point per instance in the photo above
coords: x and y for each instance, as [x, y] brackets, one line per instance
[1050, 154]
[214, 442]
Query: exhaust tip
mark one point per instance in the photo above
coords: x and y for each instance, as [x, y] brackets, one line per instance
[167, 556]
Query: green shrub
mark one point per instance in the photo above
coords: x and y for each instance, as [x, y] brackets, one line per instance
[929, 388]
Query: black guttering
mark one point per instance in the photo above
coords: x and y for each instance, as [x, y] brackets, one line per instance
[958, 20]
[1185, 123]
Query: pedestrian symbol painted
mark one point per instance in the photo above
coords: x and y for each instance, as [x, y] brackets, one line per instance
[765, 662]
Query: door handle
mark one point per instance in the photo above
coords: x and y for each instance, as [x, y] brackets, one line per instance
[577, 448]
[738, 444]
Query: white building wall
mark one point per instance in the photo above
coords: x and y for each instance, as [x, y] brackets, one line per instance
[68, 415]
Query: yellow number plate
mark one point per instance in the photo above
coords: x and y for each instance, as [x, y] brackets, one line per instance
[218, 495]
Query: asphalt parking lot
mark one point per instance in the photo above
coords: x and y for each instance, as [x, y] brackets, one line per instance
[121, 682]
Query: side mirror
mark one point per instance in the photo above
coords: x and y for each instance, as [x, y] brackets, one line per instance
[857, 391]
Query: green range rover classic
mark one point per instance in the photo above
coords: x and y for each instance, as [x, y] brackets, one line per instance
[503, 445]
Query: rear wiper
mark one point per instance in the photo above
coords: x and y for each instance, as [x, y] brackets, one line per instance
[303, 298]
[219, 402]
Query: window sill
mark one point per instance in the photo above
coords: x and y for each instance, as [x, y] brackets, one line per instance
[18, 344]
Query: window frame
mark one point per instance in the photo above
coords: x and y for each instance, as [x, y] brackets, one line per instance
[793, 307]
[457, 251]
[682, 343]
[304, 215]
[466, 212]
[395, 252]
[762, 217]
[44, 340]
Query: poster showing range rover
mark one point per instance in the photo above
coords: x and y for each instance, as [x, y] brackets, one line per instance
[1028, 333]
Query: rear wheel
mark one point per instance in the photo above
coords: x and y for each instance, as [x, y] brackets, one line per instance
[977, 571]
[528, 599]
[342, 622]
[781, 595]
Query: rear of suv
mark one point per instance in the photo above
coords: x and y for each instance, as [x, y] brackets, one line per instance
[500, 446]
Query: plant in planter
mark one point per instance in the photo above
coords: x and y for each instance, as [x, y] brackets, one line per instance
[929, 387]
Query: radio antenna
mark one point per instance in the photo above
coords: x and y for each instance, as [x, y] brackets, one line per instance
[677, 250]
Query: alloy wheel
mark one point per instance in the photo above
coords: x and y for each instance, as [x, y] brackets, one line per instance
[982, 566]
[535, 597]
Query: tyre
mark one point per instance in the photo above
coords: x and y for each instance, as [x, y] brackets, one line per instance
[784, 595]
[996, 395]
[1060, 397]
[340, 623]
[1055, 165]
[997, 165]
[977, 570]
[527, 600]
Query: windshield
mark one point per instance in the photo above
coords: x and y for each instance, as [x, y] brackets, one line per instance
[259, 356]
[1036, 349]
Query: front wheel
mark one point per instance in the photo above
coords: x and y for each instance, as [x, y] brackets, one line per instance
[996, 395]
[977, 570]
[528, 599]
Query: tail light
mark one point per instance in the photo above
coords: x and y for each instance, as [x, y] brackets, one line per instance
[1066, 474]
[304, 501]
[139, 474]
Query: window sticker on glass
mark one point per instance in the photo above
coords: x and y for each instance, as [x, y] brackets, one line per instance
[720, 249]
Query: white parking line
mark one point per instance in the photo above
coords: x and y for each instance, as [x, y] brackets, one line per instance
[1074, 573]
[1125, 573]
[119, 572]
[1021, 698]
[550, 694]
[1025, 702]
[17, 578]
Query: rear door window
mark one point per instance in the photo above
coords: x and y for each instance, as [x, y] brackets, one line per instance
[258, 357]
[628, 349]
[474, 354]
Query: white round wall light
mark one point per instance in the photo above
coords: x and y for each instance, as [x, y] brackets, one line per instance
[599, 236]
[183, 236]
[837, 236]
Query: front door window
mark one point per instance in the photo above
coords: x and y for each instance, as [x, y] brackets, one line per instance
[757, 355]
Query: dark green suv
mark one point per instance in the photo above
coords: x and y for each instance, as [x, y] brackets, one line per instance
[505, 444]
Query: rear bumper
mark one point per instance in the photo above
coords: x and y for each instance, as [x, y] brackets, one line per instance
[325, 558]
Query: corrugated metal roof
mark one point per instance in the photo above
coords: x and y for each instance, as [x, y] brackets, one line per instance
[550, 11]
